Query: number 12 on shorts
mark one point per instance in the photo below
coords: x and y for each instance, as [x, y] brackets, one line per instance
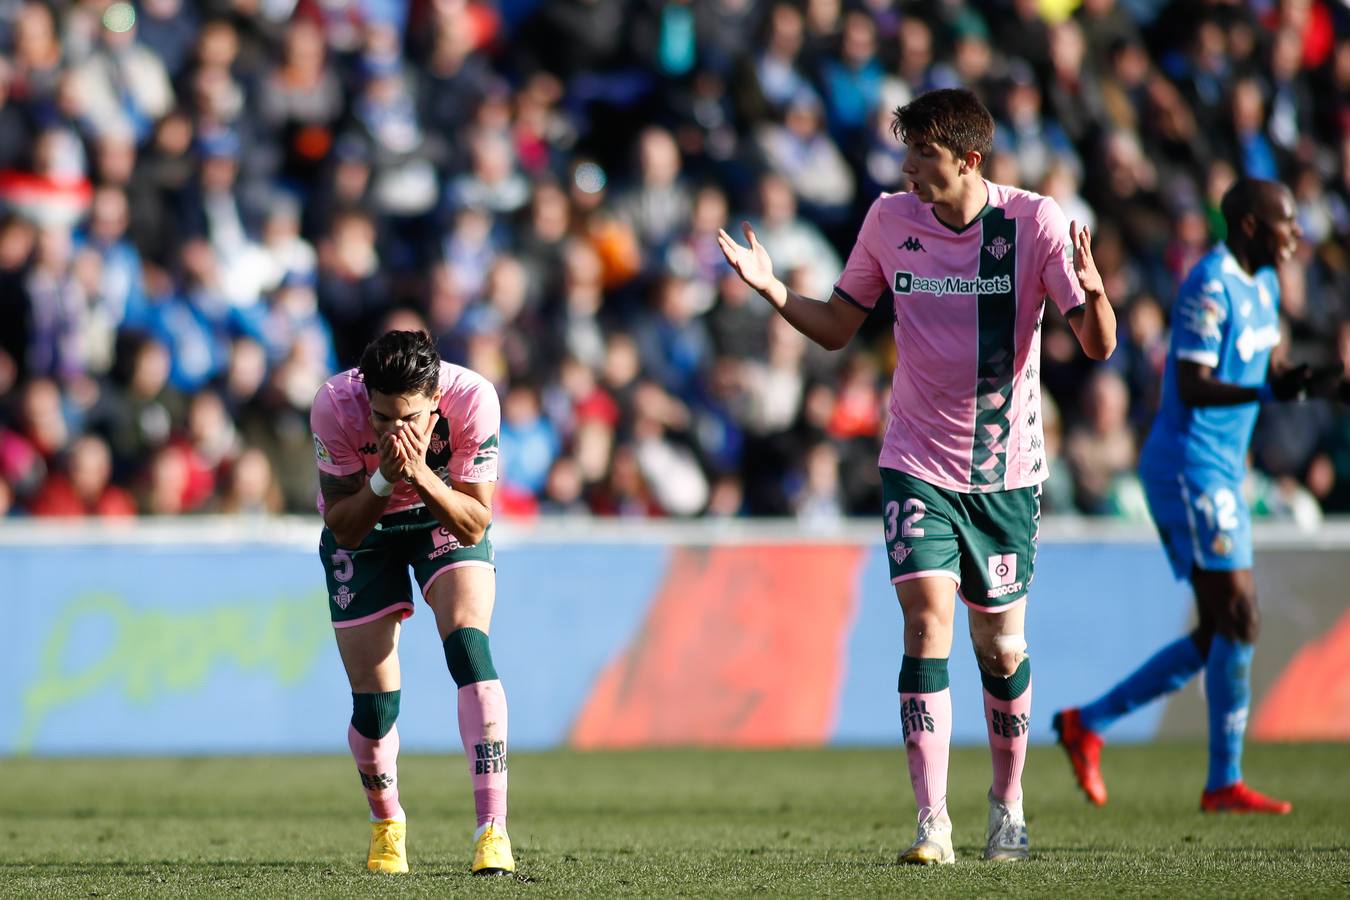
[1219, 509]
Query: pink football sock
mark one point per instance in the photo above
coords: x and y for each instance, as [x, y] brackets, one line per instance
[482, 728]
[377, 761]
[1009, 722]
[927, 723]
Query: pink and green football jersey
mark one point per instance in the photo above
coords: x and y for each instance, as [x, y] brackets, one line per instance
[966, 394]
[463, 445]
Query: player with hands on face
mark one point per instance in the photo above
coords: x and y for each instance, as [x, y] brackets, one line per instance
[403, 450]
[406, 447]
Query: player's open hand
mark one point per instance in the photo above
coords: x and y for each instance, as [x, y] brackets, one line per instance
[1084, 267]
[751, 263]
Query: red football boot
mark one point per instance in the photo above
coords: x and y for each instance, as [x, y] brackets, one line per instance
[1085, 752]
[1239, 798]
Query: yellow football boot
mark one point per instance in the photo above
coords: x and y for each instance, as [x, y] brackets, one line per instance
[492, 852]
[388, 853]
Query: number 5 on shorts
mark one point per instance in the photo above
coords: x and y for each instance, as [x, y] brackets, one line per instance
[343, 567]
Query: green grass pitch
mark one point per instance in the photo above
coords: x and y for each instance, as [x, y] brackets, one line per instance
[669, 823]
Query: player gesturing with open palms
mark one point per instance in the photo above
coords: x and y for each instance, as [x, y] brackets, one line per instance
[829, 324]
[966, 266]
[1084, 266]
[752, 263]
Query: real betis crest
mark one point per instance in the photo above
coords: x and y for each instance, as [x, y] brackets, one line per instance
[998, 247]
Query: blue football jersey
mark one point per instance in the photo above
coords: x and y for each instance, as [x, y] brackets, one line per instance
[1228, 320]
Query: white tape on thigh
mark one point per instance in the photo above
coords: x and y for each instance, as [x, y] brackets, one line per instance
[1010, 643]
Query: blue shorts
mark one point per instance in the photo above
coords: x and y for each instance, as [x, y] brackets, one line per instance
[1203, 521]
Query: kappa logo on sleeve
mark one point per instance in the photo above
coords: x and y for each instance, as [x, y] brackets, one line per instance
[321, 452]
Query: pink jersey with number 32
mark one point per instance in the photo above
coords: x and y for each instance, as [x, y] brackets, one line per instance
[464, 442]
[966, 394]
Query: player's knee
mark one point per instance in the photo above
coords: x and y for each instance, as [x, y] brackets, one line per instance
[1000, 665]
[1004, 679]
[1000, 655]
[469, 657]
[1251, 626]
[1242, 621]
[926, 624]
[374, 714]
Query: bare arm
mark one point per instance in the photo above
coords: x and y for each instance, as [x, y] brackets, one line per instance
[464, 508]
[1093, 323]
[350, 507]
[1198, 387]
[830, 324]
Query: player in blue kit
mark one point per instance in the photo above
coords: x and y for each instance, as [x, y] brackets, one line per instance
[1225, 325]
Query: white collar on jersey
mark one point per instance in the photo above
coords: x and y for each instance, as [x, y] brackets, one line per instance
[1232, 267]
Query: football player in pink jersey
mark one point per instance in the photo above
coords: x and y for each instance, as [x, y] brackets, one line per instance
[406, 447]
[967, 265]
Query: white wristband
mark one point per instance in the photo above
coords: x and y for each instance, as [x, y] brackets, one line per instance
[379, 485]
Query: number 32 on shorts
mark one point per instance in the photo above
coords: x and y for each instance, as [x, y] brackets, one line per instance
[908, 527]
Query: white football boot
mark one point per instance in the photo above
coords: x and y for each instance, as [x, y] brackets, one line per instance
[1006, 839]
[933, 845]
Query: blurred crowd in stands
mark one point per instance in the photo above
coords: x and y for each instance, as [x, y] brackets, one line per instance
[208, 208]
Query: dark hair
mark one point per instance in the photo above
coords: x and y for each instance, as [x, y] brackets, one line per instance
[952, 117]
[1243, 198]
[401, 362]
